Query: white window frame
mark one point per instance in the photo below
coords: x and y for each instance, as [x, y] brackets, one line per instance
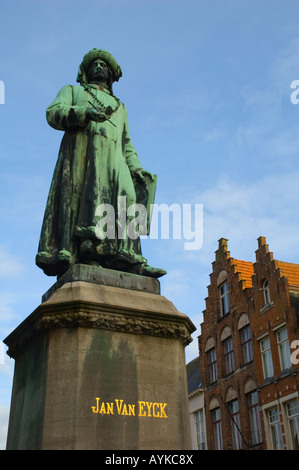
[224, 298]
[266, 292]
[235, 424]
[266, 357]
[229, 355]
[283, 349]
[200, 430]
[254, 418]
[217, 428]
[275, 428]
[246, 344]
[212, 365]
[292, 416]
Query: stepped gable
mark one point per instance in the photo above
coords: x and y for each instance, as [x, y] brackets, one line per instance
[246, 271]
[283, 268]
[291, 271]
[243, 269]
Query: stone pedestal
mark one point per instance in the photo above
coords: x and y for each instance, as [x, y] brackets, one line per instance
[100, 364]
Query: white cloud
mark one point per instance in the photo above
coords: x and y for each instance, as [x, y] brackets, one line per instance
[9, 264]
[175, 286]
[243, 212]
[285, 69]
[240, 212]
[7, 301]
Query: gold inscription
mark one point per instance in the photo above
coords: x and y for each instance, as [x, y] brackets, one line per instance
[145, 409]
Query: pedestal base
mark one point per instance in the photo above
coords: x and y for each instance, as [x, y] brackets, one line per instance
[100, 367]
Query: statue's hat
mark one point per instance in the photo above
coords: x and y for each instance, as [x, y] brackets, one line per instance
[98, 54]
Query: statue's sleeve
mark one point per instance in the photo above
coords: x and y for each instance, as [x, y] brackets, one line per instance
[130, 151]
[63, 115]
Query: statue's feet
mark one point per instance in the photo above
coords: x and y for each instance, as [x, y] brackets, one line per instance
[146, 270]
[54, 265]
[86, 250]
[64, 256]
[64, 261]
[89, 255]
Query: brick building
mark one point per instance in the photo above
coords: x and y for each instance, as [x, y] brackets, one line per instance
[275, 326]
[226, 356]
[249, 325]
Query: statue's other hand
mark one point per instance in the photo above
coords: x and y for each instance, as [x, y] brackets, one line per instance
[93, 114]
[140, 174]
[146, 172]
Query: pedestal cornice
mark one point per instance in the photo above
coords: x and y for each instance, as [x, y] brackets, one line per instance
[83, 304]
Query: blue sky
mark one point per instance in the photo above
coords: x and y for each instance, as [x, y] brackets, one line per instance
[207, 88]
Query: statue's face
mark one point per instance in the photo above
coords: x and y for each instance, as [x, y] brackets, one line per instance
[98, 71]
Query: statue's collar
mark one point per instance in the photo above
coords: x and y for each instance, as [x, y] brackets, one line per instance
[98, 87]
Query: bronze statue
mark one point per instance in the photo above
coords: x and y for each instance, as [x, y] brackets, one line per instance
[97, 167]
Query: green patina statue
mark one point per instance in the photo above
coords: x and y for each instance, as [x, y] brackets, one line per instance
[97, 168]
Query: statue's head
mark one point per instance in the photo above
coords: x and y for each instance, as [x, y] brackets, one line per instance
[99, 71]
[90, 63]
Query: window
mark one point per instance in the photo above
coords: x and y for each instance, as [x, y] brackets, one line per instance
[217, 429]
[292, 410]
[275, 429]
[212, 365]
[229, 355]
[246, 344]
[255, 418]
[283, 349]
[224, 299]
[266, 358]
[266, 293]
[200, 430]
[235, 422]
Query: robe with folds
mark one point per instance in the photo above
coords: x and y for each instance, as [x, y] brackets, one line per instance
[95, 166]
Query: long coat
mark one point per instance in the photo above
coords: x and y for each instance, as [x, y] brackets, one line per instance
[95, 166]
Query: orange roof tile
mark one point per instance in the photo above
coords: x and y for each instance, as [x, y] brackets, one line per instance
[291, 270]
[246, 271]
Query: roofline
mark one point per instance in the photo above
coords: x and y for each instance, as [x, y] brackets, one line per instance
[195, 392]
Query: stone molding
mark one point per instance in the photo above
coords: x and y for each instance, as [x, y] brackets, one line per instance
[84, 314]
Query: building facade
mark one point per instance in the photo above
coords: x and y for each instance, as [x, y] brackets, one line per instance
[226, 357]
[249, 327]
[275, 325]
[196, 406]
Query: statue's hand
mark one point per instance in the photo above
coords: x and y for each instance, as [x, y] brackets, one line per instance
[146, 172]
[94, 114]
[140, 174]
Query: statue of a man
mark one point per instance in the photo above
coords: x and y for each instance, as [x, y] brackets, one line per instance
[97, 165]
